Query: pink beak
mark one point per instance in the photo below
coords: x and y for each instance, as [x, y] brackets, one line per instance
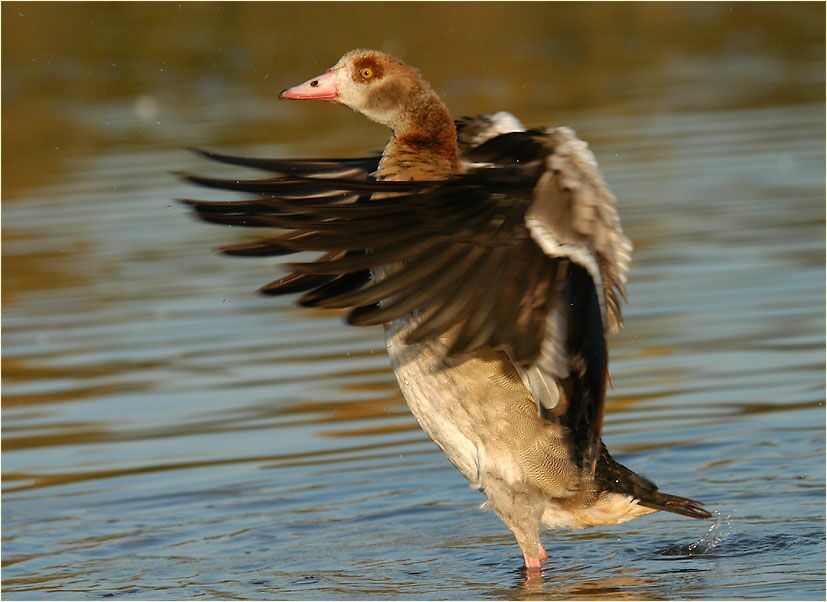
[318, 88]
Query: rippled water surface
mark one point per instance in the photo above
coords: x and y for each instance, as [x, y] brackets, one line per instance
[167, 433]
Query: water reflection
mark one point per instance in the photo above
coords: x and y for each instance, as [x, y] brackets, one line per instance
[167, 433]
[578, 583]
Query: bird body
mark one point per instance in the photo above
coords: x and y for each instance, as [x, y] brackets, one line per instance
[481, 415]
[494, 257]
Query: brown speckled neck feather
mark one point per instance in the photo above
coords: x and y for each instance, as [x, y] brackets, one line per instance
[424, 144]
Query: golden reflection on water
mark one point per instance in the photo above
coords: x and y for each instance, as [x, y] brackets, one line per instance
[315, 458]
[40, 273]
[142, 49]
[564, 587]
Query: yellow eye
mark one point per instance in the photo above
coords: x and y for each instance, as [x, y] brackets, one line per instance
[366, 72]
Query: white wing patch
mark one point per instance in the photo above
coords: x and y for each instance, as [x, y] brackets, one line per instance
[573, 215]
[578, 252]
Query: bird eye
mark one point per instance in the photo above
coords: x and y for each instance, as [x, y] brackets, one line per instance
[366, 72]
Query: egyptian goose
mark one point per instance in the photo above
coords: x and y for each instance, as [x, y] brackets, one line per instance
[494, 257]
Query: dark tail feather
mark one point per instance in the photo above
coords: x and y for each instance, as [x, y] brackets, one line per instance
[678, 505]
[613, 476]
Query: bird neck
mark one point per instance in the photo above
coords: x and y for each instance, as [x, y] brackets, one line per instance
[423, 145]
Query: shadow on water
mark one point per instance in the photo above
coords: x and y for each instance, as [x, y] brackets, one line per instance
[169, 434]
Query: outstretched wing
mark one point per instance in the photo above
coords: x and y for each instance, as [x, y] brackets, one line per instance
[572, 215]
[522, 253]
[464, 250]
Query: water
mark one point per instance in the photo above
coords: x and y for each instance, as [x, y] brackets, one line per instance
[169, 434]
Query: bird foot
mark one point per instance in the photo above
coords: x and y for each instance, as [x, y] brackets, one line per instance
[534, 564]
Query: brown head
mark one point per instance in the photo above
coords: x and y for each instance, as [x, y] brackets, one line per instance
[385, 90]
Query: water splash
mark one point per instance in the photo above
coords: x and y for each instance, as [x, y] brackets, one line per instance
[717, 532]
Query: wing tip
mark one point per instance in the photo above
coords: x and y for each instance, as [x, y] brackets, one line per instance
[189, 177]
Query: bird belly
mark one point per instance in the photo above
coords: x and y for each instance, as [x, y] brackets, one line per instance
[480, 414]
[435, 398]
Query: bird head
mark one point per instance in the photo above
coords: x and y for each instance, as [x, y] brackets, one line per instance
[379, 86]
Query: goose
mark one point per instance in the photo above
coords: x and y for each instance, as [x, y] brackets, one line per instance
[494, 257]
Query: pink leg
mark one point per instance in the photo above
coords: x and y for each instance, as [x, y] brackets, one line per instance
[534, 564]
[533, 568]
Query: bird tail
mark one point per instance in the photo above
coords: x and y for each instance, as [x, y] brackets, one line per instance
[676, 504]
[614, 477]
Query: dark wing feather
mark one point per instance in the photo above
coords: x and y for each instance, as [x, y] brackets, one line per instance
[366, 165]
[295, 283]
[523, 253]
[339, 285]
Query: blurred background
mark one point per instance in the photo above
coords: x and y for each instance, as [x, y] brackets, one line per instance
[167, 433]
